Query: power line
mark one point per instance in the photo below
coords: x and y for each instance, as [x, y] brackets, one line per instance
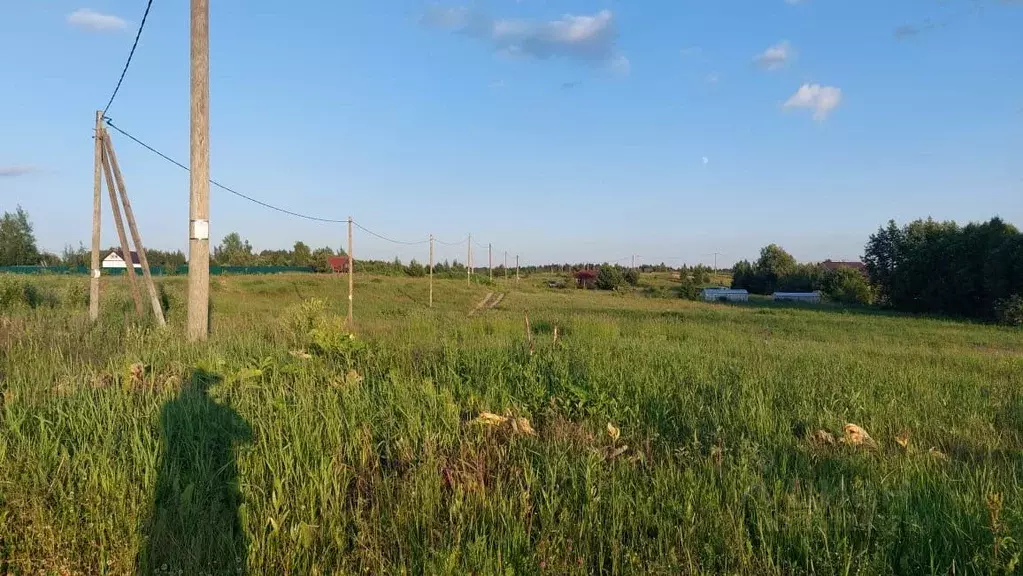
[221, 186]
[459, 243]
[386, 239]
[130, 55]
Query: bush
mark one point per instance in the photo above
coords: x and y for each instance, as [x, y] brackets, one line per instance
[632, 276]
[415, 269]
[1009, 311]
[846, 286]
[688, 289]
[610, 278]
[75, 295]
[12, 293]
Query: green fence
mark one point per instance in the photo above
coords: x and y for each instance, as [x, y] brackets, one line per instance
[156, 270]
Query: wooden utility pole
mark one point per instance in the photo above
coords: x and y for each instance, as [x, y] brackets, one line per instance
[516, 268]
[199, 189]
[351, 271]
[125, 248]
[468, 263]
[490, 260]
[136, 238]
[97, 209]
[431, 270]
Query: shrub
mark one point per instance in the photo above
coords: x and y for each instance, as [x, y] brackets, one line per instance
[1009, 311]
[75, 295]
[12, 293]
[632, 276]
[415, 269]
[610, 278]
[688, 289]
[846, 286]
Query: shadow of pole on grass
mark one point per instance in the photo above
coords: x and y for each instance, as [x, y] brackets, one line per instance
[195, 525]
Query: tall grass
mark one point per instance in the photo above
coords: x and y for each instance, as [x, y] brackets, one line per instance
[284, 446]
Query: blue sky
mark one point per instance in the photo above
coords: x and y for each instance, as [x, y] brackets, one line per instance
[559, 130]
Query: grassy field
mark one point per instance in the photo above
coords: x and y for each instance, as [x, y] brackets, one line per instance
[655, 436]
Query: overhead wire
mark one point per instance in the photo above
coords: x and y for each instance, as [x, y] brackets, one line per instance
[131, 54]
[221, 186]
[386, 239]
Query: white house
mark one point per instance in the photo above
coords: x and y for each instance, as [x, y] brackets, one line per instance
[811, 297]
[115, 260]
[726, 294]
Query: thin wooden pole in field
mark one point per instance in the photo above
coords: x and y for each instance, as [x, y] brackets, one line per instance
[490, 260]
[431, 270]
[468, 263]
[97, 209]
[129, 264]
[351, 271]
[199, 187]
[136, 238]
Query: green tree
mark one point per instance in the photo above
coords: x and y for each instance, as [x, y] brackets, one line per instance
[77, 257]
[632, 276]
[301, 256]
[610, 278]
[846, 286]
[233, 251]
[17, 240]
[320, 258]
[415, 269]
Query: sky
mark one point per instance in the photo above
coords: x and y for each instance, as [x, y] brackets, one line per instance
[558, 130]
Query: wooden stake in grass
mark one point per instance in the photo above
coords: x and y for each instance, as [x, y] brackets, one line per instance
[97, 209]
[125, 248]
[529, 334]
[154, 298]
[431, 270]
[351, 271]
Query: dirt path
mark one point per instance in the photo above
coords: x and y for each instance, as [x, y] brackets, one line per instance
[488, 303]
[481, 304]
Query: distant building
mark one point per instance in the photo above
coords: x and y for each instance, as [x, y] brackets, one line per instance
[116, 260]
[725, 295]
[338, 264]
[833, 265]
[811, 297]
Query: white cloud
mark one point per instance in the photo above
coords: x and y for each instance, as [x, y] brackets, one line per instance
[776, 56]
[706, 160]
[591, 38]
[821, 99]
[15, 170]
[88, 19]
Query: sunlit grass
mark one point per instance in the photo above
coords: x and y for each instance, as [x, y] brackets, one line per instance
[282, 446]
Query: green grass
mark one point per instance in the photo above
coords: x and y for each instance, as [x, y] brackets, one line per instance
[284, 447]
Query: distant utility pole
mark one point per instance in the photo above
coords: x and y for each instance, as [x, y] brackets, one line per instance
[351, 271]
[490, 260]
[716, 261]
[97, 208]
[516, 268]
[468, 263]
[199, 197]
[633, 261]
[431, 270]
